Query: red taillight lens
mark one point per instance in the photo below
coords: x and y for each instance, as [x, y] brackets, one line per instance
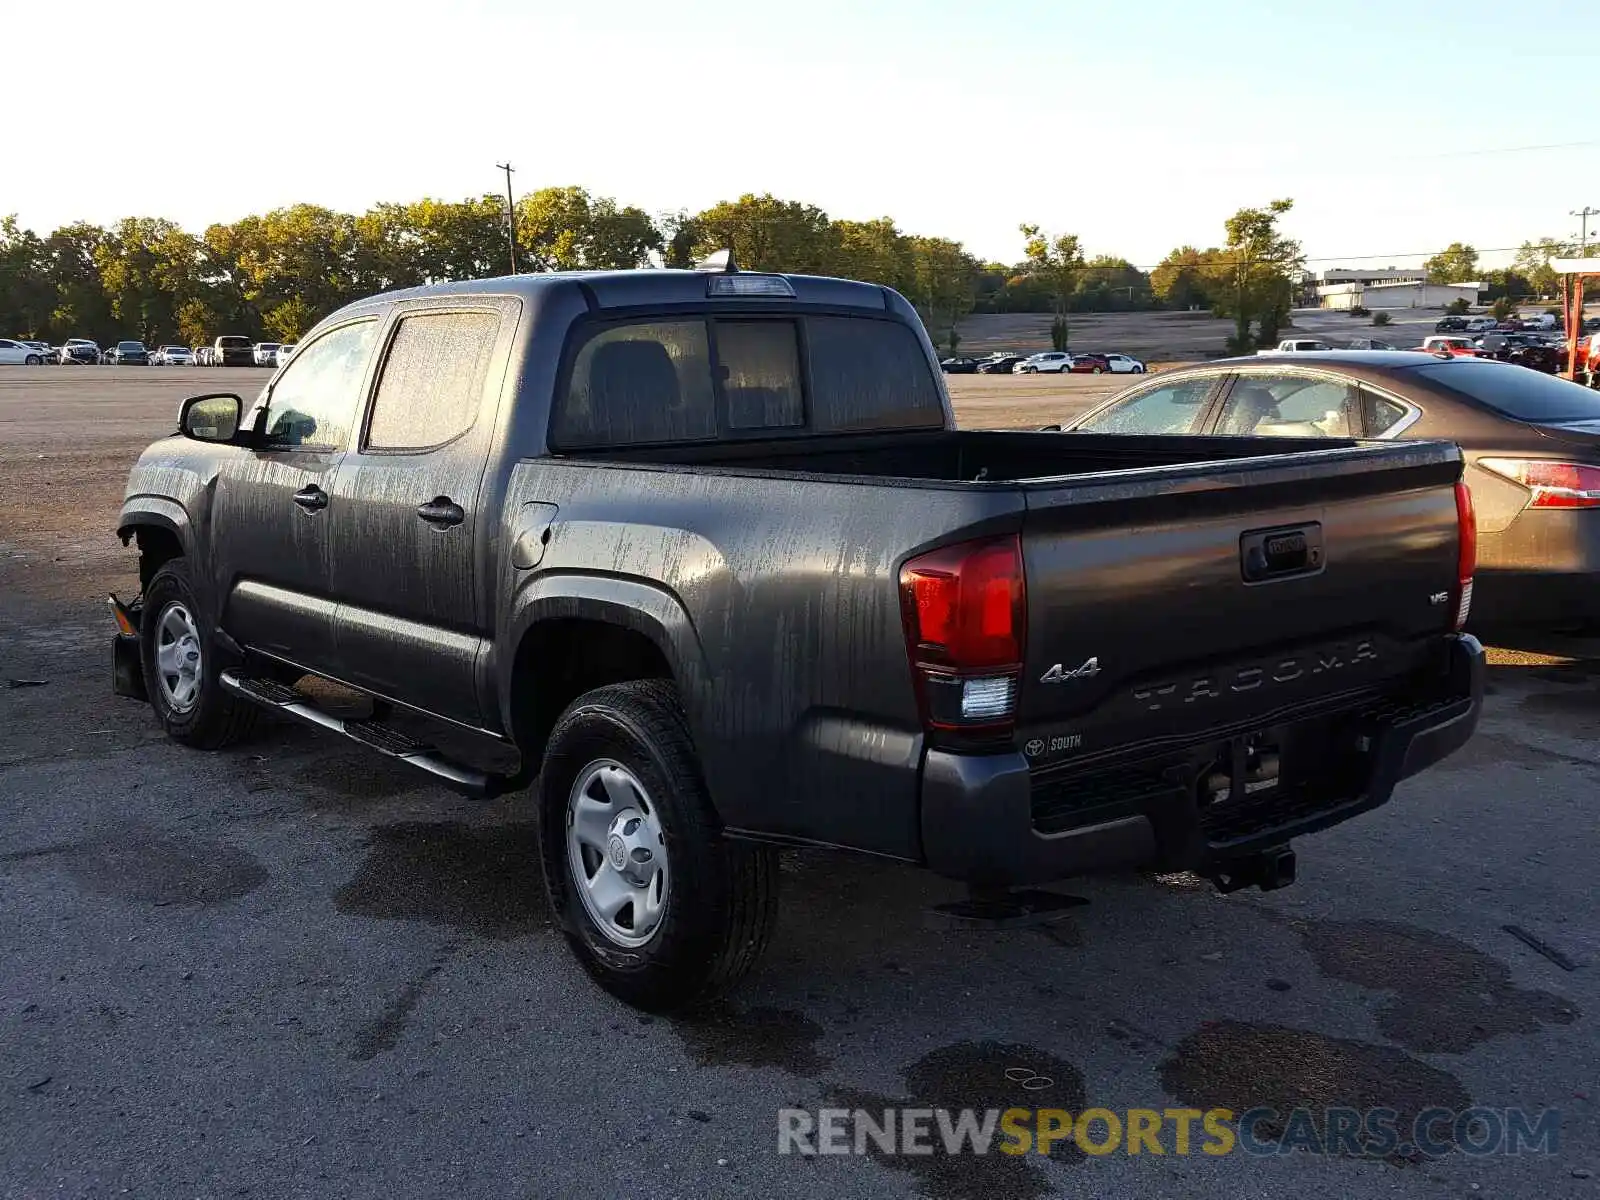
[1466, 553]
[965, 612]
[1553, 484]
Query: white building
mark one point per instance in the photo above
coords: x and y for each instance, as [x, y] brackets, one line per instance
[1414, 292]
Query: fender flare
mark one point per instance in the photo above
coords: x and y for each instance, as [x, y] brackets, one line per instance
[145, 511]
[635, 604]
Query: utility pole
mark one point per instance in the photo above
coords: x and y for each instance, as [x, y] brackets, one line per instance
[511, 217]
[1584, 213]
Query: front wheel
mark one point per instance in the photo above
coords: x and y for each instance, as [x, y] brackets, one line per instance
[660, 909]
[1138, 370]
[181, 669]
[1098, 371]
[33, 360]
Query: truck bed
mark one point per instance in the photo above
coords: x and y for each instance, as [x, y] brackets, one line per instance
[982, 456]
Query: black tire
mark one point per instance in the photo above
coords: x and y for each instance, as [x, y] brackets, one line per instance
[215, 718]
[1098, 371]
[32, 360]
[722, 904]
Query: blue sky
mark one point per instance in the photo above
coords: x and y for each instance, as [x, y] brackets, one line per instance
[1138, 126]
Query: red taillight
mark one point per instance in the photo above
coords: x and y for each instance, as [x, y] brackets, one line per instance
[965, 611]
[1553, 484]
[1466, 553]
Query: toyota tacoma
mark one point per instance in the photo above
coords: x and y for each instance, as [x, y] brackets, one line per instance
[700, 561]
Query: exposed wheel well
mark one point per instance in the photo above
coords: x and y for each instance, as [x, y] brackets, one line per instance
[559, 660]
[157, 546]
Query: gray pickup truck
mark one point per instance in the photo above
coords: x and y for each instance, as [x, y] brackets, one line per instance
[702, 556]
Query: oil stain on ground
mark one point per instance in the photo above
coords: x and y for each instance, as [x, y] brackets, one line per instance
[1447, 996]
[1241, 1066]
[974, 1075]
[146, 865]
[755, 1037]
[481, 879]
[382, 1033]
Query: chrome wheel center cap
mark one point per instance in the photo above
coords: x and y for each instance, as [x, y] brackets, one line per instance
[617, 852]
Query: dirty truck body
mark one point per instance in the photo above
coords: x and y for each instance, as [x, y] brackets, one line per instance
[704, 554]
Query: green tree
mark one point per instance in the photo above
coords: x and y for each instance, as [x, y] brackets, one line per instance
[1456, 263]
[877, 252]
[149, 269]
[942, 285]
[566, 229]
[1181, 281]
[680, 233]
[768, 234]
[79, 305]
[27, 294]
[1056, 260]
[1533, 262]
[1256, 274]
[1107, 283]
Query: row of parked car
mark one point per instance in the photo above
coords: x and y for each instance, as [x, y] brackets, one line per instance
[228, 351]
[1046, 362]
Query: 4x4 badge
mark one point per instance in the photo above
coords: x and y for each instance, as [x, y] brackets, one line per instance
[1059, 674]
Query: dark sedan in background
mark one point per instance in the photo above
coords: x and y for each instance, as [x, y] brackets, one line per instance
[999, 364]
[1532, 444]
[128, 354]
[958, 366]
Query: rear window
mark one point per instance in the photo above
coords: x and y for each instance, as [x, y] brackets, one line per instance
[130, 345]
[233, 342]
[698, 378]
[870, 375]
[1516, 392]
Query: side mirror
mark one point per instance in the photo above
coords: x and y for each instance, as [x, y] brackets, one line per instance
[213, 417]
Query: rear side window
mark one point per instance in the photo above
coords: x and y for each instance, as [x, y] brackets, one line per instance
[642, 383]
[1168, 408]
[432, 381]
[1287, 405]
[868, 374]
[1378, 414]
[1515, 391]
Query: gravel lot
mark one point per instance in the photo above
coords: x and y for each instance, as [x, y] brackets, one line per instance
[293, 969]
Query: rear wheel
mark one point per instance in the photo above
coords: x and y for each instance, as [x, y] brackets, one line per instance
[181, 669]
[1098, 371]
[660, 909]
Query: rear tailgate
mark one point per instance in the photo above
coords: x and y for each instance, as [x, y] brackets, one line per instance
[1169, 604]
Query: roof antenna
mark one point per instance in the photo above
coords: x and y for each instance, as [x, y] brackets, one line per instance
[718, 261]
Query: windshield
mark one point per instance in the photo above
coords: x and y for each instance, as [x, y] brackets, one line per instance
[1517, 392]
[130, 345]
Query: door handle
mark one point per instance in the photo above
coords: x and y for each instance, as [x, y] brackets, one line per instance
[311, 498]
[441, 511]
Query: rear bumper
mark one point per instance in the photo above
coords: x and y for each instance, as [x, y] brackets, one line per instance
[979, 813]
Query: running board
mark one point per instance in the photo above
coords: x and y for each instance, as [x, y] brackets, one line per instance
[374, 735]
